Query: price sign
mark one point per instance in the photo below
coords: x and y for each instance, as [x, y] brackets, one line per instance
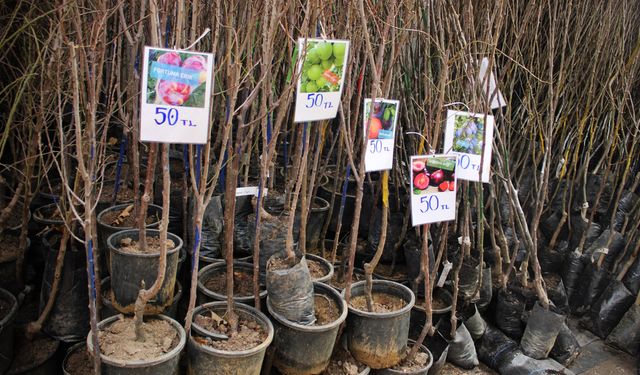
[321, 70]
[433, 188]
[175, 96]
[464, 137]
[380, 129]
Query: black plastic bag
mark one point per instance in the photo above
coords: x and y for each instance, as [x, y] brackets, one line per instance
[494, 348]
[609, 309]
[509, 309]
[632, 278]
[542, 329]
[394, 229]
[468, 279]
[551, 260]
[212, 226]
[290, 291]
[566, 348]
[273, 235]
[412, 249]
[578, 227]
[474, 322]
[626, 335]
[439, 348]
[556, 292]
[599, 247]
[462, 351]
[593, 283]
[628, 200]
[521, 364]
[573, 267]
[486, 289]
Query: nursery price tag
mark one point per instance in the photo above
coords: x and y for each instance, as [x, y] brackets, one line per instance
[249, 190]
[489, 85]
[175, 96]
[321, 69]
[433, 188]
[381, 133]
[464, 137]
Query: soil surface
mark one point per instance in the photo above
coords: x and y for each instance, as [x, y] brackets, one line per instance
[242, 284]
[125, 193]
[276, 264]
[125, 218]
[384, 270]
[437, 303]
[153, 245]
[316, 269]
[118, 340]
[326, 309]
[418, 362]
[249, 335]
[382, 303]
[28, 353]
[79, 362]
[334, 282]
[9, 248]
[342, 363]
[451, 369]
[552, 280]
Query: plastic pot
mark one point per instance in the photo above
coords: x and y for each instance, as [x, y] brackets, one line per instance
[105, 230]
[379, 340]
[306, 349]
[326, 266]
[418, 314]
[46, 364]
[207, 295]
[74, 348]
[315, 222]
[8, 274]
[420, 371]
[68, 320]
[439, 348]
[204, 359]
[166, 364]
[6, 330]
[107, 306]
[129, 269]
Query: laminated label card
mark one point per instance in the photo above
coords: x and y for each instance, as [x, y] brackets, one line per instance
[433, 188]
[321, 69]
[490, 86]
[176, 94]
[464, 137]
[381, 126]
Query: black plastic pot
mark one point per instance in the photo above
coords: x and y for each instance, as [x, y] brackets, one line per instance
[609, 309]
[107, 306]
[326, 265]
[166, 364]
[420, 371]
[439, 348]
[418, 316]
[204, 359]
[324, 191]
[8, 274]
[508, 314]
[6, 330]
[468, 279]
[129, 269]
[315, 222]
[358, 271]
[105, 230]
[74, 348]
[306, 349]
[68, 320]
[206, 295]
[46, 364]
[626, 335]
[379, 340]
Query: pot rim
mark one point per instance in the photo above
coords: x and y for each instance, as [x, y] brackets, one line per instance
[423, 348]
[214, 266]
[124, 205]
[376, 315]
[325, 205]
[177, 291]
[326, 265]
[70, 351]
[39, 218]
[177, 240]
[315, 328]
[261, 317]
[438, 311]
[137, 364]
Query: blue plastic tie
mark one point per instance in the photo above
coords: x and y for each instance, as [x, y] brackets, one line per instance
[92, 273]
